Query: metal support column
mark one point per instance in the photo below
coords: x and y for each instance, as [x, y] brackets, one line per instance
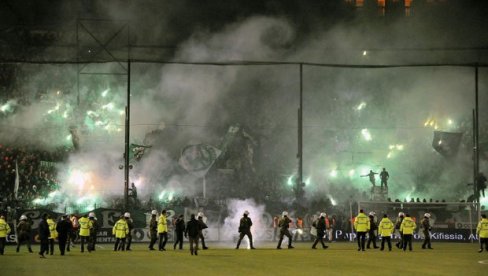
[299, 180]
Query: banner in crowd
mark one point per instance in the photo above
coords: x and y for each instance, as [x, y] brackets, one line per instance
[197, 159]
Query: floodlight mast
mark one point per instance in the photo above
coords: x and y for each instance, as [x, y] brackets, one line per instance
[299, 181]
[127, 143]
[476, 139]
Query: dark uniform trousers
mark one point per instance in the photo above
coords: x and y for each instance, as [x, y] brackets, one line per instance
[44, 246]
[84, 240]
[193, 244]
[24, 237]
[426, 240]
[372, 238]
[154, 238]
[284, 232]
[241, 236]
[3, 241]
[361, 240]
[485, 242]
[119, 244]
[407, 239]
[163, 238]
[62, 243]
[51, 246]
[386, 239]
[320, 237]
[179, 240]
[129, 240]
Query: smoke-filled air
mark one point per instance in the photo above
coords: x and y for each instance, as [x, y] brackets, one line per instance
[214, 115]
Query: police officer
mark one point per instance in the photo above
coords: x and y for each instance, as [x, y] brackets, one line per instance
[321, 227]
[245, 229]
[398, 223]
[85, 226]
[93, 231]
[192, 231]
[372, 230]
[44, 235]
[130, 224]
[407, 228]
[180, 230]
[284, 224]
[385, 230]
[4, 231]
[203, 225]
[64, 229]
[153, 229]
[53, 236]
[24, 233]
[362, 226]
[426, 228]
[482, 231]
[120, 231]
[162, 230]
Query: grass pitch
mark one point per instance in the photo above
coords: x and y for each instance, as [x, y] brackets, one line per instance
[223, 259]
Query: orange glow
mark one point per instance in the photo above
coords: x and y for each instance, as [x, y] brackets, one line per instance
[359, 3]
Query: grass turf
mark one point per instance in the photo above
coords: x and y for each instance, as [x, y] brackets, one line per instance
[220, 259]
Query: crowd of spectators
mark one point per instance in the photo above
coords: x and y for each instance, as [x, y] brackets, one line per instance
[36, 174]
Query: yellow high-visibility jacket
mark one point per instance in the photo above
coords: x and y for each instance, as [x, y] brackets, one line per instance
[52, 229]
[121, 229]
[4, 228]
[162, 224]
[408, 226]
[361, 223]
[85, 226]
[482, 229]
[386, 227]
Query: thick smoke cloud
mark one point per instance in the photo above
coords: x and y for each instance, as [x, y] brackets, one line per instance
[236, 209]
[191, 104]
